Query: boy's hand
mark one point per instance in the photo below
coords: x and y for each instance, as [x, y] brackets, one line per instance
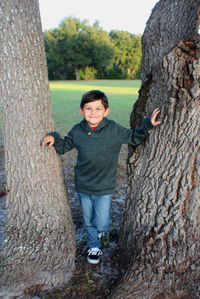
[153, 117]
[47, 139]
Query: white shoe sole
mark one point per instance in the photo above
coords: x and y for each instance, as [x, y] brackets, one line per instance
[92, 261]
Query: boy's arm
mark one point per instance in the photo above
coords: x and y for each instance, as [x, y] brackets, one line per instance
[137, 136]
[149, 122]
[140, 134]
[61, 145]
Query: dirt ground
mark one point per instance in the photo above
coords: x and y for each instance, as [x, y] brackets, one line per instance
[88, 281]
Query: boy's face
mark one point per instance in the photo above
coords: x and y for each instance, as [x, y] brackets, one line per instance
[94, 112]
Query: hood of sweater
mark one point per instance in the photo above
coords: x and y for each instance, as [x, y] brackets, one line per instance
[87, 128]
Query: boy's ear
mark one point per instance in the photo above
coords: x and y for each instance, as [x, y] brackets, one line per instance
[81, 111]
[106, 112]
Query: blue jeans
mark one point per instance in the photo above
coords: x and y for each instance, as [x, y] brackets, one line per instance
[96, 216]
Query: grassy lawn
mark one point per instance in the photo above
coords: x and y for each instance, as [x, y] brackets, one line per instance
[66, 96]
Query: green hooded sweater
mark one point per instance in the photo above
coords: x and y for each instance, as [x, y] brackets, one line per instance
[98, 152]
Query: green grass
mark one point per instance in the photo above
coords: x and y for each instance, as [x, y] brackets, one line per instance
[66, 96]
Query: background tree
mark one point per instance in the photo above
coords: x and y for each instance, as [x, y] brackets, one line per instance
[102, 49]
[39, 241]
[128, 53]
[77, 45]
[160, 228]
[57, 70]
[91, 51]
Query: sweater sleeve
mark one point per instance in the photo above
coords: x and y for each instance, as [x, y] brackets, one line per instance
[62, 145]
[138, 135]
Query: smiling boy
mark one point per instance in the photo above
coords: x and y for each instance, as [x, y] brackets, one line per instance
[98, 141]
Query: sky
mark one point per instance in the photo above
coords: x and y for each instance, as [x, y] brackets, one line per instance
[127, 15]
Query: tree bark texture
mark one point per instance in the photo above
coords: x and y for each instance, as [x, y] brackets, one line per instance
[38, 249]
[160, 233]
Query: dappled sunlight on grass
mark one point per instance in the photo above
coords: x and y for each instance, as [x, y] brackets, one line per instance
[108, 86]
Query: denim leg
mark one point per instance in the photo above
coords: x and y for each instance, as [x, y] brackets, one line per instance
[87, 214]
[95, 212]
[101, 212]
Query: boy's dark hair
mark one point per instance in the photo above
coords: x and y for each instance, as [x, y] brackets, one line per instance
[94, 95]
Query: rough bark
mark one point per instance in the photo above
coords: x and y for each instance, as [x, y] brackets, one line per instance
[39, 241]
[160, 233]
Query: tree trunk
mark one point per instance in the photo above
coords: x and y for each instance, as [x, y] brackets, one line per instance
[160, 233]
[38, 250]
[77, 74]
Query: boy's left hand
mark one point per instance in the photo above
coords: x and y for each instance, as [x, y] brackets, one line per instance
[153, 117]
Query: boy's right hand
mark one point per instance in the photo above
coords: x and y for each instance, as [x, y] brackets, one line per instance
[47, 139]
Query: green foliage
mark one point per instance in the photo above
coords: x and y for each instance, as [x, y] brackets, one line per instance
[89, 73]
[76, 45]
[77, 50]
[128, 53]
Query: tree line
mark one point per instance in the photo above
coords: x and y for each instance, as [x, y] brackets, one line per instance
[78, 50]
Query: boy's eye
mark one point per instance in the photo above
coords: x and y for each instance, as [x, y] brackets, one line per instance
[97, 109]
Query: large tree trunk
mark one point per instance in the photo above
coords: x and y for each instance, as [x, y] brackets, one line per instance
[39, 241]
[160, 232]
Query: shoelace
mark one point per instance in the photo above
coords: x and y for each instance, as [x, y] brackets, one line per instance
[95, 251]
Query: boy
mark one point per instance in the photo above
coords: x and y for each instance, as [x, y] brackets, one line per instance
[98, 141]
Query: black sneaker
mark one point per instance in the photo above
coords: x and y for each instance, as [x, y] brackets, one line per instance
[93, 255]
